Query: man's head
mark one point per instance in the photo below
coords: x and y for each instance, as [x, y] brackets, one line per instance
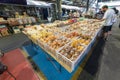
[104, 8]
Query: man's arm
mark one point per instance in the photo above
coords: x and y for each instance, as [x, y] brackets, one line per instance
[100, 20]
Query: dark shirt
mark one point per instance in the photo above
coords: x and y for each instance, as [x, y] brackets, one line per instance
[99, 15]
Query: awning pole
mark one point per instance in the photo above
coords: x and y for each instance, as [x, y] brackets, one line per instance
[87, 6]
[59, 9]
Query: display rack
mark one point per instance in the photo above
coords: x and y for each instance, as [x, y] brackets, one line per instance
[62, 60]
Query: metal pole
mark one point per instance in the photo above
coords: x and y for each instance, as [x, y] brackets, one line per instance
[59, 9]
[48, 12]
[53, 11]
[87, 5]
[37, 12]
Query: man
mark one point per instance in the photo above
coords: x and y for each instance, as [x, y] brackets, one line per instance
[107, 18]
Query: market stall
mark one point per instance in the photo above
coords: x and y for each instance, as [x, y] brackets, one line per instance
[3, 28]
[71, 11]
[66, 41]
[17, 24]
[40, 6]
[14, 18]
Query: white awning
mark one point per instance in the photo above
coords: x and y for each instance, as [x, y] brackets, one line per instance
[38, 3]
[45, 4]
[71, 7]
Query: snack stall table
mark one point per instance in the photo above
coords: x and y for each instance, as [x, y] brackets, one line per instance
[78, 41]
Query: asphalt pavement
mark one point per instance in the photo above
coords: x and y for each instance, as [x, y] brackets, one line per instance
[110, 62]
[12, 42]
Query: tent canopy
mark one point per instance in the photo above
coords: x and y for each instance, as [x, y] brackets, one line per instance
[71, 7]
[45, 4]
[38, 3]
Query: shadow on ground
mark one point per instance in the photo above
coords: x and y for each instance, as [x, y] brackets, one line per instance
[92, 66]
